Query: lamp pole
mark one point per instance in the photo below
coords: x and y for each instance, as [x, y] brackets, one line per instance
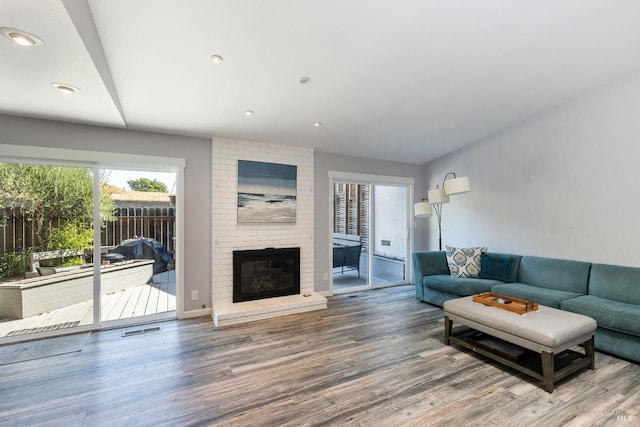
[438, 208]
[440, 195]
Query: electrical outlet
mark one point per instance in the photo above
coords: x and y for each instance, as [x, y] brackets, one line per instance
[194, 295]
[326, 276]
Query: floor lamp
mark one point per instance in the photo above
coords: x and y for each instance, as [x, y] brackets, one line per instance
[440, 195]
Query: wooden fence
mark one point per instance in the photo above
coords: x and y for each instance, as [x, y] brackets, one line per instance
[156, 223]
[17, 233]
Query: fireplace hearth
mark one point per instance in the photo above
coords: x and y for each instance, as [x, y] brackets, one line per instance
[265, 273]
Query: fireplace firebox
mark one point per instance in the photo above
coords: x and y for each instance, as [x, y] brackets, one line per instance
[265, 273]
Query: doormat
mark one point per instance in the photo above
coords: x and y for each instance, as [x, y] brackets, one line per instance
[47, 347]
[43, 328]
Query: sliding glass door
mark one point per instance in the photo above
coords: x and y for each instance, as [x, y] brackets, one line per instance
[370, 231]
[138, 247]
[46, 235]
[84, 246]
[390, 228]
[350, 235]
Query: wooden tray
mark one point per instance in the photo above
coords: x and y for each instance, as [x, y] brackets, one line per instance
[516, 305]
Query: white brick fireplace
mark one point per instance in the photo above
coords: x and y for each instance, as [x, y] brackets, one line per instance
[229, 235]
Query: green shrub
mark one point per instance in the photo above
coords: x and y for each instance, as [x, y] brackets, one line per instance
[13, 264]
[68, 236]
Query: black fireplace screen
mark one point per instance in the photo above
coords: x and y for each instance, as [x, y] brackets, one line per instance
[265, 273]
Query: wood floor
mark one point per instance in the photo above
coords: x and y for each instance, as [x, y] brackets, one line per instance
[374, 358]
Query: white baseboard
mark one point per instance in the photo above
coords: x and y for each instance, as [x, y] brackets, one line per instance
[196, 313]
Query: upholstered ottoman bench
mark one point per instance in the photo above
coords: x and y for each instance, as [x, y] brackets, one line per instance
[547, 331]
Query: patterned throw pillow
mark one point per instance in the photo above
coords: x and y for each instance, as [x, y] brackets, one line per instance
[464, 262]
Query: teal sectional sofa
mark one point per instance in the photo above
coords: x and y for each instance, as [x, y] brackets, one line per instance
[609, 294]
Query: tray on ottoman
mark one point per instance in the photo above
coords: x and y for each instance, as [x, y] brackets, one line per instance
[516, 305]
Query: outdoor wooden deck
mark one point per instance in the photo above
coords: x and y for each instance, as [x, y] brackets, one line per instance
[159, 297]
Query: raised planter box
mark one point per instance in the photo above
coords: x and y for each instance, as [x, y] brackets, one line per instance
[30, 297]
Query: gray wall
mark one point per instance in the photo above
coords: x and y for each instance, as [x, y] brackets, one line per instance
[197, 185]
[562, 184]
[197, 179]
[323, 163]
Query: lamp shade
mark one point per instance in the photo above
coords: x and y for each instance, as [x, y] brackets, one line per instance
[457, 185]
[438, 196]
[422, 209]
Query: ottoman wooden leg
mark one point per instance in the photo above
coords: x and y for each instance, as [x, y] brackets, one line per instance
[590, 353]
[547, 370]
[447, 329]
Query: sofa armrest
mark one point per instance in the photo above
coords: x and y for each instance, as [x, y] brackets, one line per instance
[429, 263]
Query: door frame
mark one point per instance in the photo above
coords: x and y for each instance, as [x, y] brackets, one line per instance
[370, 179]
[105, 160]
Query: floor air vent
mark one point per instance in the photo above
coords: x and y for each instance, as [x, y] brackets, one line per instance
[142, 331]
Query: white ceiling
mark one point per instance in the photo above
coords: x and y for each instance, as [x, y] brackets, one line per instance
[404, 80]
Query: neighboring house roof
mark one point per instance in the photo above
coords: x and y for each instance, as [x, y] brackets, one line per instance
[140, 199]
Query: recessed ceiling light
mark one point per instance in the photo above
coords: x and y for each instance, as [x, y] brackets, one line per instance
[305, 79]
[248, 113]
[65, 88]
[317, 124]
[21, 38]
[216, 59]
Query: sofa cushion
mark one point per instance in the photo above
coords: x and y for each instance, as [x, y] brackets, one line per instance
[614, 315]
[544, 296]
[464, 262]
[557, 274]
[500, 268]
[462, 286]
[615, 282]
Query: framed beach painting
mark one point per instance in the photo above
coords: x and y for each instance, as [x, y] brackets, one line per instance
[266, 192]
